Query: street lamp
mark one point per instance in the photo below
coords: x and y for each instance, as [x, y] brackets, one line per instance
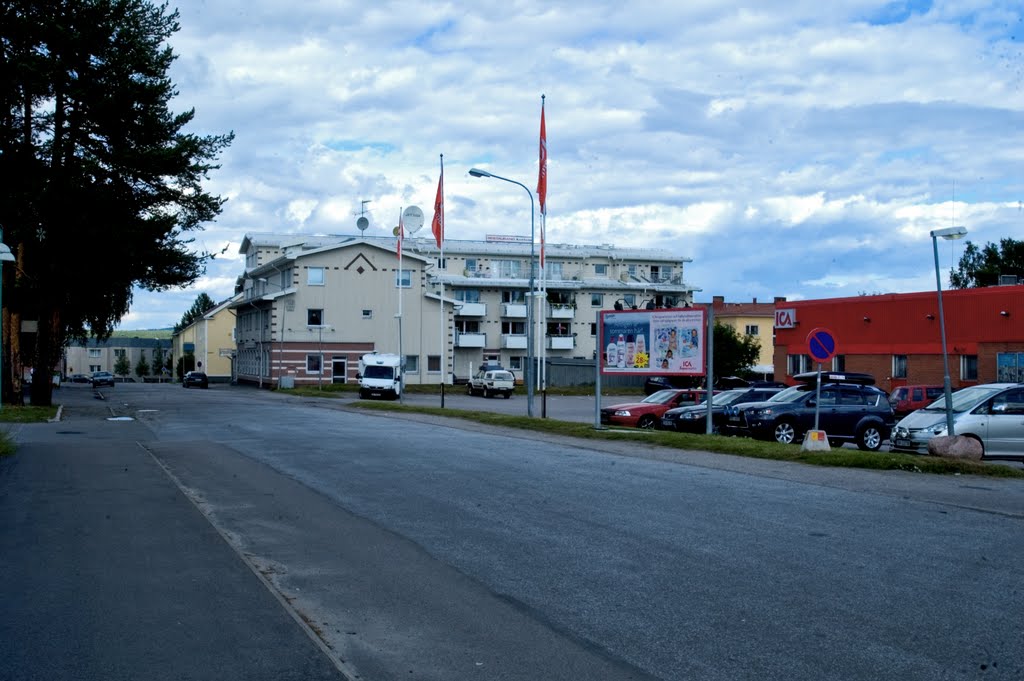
[5, 256]
[528, 377]
[949, 233]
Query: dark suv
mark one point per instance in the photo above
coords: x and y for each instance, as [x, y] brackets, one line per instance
[850, 410]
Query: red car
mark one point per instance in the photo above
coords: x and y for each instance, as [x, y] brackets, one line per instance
[647, 413]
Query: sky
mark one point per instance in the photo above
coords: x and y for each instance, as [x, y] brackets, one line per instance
[802, 149]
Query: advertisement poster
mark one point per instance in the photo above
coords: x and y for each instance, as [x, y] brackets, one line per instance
[661, 342]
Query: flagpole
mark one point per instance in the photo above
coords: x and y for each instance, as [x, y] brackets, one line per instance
[542, 199]
[401, 357]
[437, 227]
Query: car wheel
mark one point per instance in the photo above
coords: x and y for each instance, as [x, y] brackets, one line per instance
[869, 439]
[469, 388]
[647, 422]
[784, 432]
[487, 393]
[508, 395]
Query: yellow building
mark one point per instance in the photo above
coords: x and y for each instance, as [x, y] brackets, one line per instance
[751, 319]
[211, 339]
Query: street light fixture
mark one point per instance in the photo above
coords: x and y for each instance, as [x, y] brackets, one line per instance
[528, 377]
[949, 233]
[5, 256]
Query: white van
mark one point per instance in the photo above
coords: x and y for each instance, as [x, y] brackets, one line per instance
[490, 381]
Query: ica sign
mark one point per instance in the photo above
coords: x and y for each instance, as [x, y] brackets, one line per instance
[785, 319]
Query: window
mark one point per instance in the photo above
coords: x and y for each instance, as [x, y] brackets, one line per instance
[1010, 367]
[899, 366]
[629, 299]
[468, 325]
[507, 269]
[367, 314]
[597, 300]
[315, 276]
[632, 270]
[471, 265]
[514, 328]
[119, 352]
[662, 273]
[468, 295]
[553, 270]
[412, 364]
[1010, 403]
[513, 297]
[751, 330]
[968, 367]
[515, 363]
[94, 352]
[593, 328]
[313, 364]
[95, 367]
[839, 363]
[314, 317]
[403, 279]
[601, 270]
[442, 263]
[798, 364]
[433, 364]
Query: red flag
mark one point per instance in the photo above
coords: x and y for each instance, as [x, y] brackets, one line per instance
[542, 179]
[437, 224]
[400, 233]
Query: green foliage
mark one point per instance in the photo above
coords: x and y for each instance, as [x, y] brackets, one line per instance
[122, 367]
[982, 266]
[733, 352]
[102, 182]
[202, 303]
[185, 365]
[142, 368]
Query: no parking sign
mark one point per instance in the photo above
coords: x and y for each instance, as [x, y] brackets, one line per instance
[821, 345]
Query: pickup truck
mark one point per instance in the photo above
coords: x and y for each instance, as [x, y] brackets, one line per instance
[490, 382]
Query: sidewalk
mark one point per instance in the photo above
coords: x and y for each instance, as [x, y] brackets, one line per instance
[109, 572]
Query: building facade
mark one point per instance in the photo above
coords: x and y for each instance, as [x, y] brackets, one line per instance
[105, 355]
[309, 307]
[897, 339]
[752, 319]
[210, 339]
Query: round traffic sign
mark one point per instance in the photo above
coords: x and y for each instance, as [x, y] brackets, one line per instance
[821, 344]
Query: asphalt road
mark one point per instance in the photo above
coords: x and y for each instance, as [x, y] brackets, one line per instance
[434, 549]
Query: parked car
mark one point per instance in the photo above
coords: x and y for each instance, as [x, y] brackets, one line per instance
[79, 378]
[99, 378]
[991, 413]
[647, 412]
[693, 419]
[849, 410]
[195, 379]
[908, 398]
[490, 381]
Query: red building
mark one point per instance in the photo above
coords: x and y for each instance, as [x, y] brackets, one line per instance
[896, 337]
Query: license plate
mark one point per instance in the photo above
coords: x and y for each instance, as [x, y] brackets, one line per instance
[900, 442]
[735, 419]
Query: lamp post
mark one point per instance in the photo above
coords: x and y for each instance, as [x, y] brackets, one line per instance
[320, 349]
[5, 256]
[949, 233]
[528, 377]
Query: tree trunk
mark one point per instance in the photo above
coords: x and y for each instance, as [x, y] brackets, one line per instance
[48, 349]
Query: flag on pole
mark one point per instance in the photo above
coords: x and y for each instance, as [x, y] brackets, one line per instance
[542, 178]
[437, 224]
[400, 233]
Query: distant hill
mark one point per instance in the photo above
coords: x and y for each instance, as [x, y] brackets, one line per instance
[142, 333]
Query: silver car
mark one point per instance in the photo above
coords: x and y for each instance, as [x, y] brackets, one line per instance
[992, 414]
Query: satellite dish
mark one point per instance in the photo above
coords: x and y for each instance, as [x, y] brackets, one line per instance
[412, 218]
[362, 223]
[624, 277]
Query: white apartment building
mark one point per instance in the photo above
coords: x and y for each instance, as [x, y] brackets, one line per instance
[310, 306]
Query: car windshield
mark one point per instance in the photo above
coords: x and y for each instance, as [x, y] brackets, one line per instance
[966, 398]
[728, 397]
[898, 394]
[660, 397]
[790, 394]
[374, 371]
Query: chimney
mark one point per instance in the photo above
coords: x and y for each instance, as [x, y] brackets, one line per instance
[717, 302]
[780, 299]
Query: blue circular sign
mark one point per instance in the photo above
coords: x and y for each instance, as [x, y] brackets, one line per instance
[821, 344]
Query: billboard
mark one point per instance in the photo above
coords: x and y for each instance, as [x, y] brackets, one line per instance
[655, 342]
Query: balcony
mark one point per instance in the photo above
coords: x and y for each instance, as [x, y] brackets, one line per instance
[471, 310]
[513, 310]
[559, 311]
[561, 342]
[513, 341]
[471, 340]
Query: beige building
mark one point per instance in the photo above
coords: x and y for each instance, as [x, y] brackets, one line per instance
[211, 340]
[309, 307]
[751, 319]
[104, 356]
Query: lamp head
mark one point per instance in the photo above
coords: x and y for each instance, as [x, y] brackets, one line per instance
[476, 172]
[950, 233]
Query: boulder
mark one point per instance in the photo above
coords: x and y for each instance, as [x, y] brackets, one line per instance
[956, 447]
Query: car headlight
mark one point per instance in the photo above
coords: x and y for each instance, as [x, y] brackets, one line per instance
[767, 411]
[690, 415]
[622, 412]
